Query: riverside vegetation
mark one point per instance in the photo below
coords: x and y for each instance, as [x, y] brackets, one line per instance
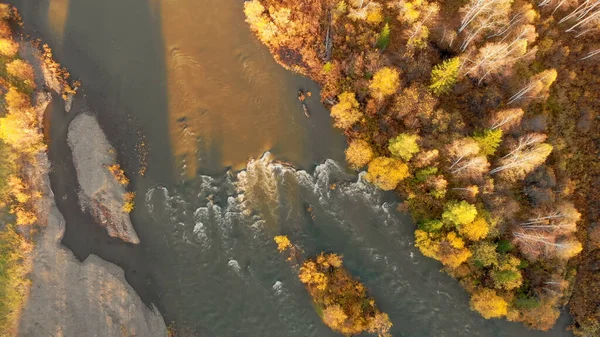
[21, 163]
[341, 301]
[483, 115]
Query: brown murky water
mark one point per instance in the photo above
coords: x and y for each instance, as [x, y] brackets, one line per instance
[185, 82]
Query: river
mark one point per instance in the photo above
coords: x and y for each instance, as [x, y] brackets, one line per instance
[183, 89]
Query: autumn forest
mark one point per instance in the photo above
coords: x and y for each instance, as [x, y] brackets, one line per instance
[483, 116]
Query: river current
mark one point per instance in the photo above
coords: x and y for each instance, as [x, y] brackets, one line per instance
[183, 89]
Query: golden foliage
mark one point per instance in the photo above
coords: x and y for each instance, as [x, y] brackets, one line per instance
[16, 100]
[427, 244]
[344, 303]
[118, 174]
[128, 202]
[283, 242]
[14, 284]
[475, 230]
[386, 172]
[24, 216]
[459, 213]
[18, 132]
[21, 70]
[359, 153]
[310, 275]
[386, 81]
[489, 304]
[346, 112]
[258, 20]
[8, 47]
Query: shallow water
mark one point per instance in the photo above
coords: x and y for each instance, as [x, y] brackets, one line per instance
[182, 87]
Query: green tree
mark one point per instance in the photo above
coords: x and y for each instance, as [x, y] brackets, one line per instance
[488, 141]
[459, 213]
[484, 254]
[431, 226]
[384, 38]
[506, 279]
[404, 146]
[444, 76]
[386, 172]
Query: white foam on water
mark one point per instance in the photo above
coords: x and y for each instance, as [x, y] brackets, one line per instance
[278, 287]
[235, 266]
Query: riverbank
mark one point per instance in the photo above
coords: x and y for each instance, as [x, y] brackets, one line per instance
[43, 287]
[463, 112]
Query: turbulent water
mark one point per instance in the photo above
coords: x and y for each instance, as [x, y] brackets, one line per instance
[223, 265]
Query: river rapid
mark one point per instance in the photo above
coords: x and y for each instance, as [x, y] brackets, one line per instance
[186, 94]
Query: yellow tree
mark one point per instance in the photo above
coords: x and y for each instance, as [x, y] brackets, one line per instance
[359, 153]
[8, 47]
[385, 82]
[475, 230]
[489, 304]
[459, 213]
[21, 70]
[386, 172]
[346, 112]
[283, 242]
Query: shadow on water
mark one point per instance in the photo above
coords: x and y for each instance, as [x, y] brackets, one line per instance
[115, 48]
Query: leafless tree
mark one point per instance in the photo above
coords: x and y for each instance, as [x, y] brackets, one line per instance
[481, 16]
[517, 164]
[461, 149]
[534, 244]
[560, 221]
[591, 54]
[586, 17]
[538, 86]
[495, 57]
[506, 119]
[525, 142]
[472, 167]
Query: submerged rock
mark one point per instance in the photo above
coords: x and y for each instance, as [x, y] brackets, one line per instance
[101, 194]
